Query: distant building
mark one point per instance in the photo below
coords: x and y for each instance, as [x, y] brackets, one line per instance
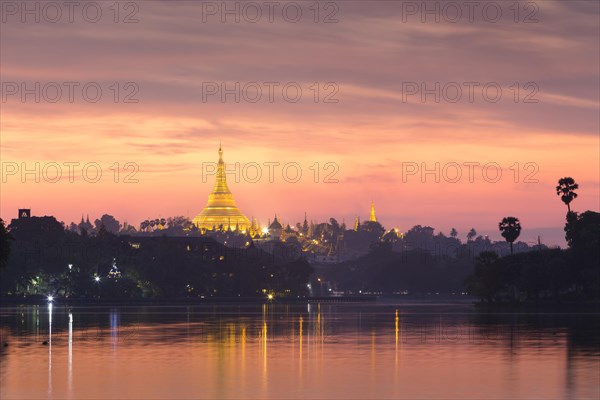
[220, 211]
[24, 213]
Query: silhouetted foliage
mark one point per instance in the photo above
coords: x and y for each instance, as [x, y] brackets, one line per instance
[109, 223]
[487, 281]
[555, 274]
[566, 190]
[5, 239]
[415, 271]
[471, 235]
[510, 229]
[49, 260]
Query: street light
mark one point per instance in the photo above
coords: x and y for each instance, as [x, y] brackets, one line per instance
[50, 298]
[320, 287]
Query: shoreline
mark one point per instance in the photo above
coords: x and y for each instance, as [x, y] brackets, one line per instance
[479, 306]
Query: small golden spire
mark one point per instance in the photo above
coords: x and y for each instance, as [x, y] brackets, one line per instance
[372, 217]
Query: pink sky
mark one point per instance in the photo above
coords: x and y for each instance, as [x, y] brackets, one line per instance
[370, 133]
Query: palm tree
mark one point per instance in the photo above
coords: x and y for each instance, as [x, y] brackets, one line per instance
[566, 190]
[510, 229]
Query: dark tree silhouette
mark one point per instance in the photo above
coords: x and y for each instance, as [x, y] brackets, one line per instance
[5, 238]
[566, 190]
[510, 229]
[453, 233]
[109, 222]
[471, 235]
[487, 281]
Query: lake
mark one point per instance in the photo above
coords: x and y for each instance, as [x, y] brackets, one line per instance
[378, 350]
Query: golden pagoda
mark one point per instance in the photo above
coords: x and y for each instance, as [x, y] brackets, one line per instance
[372, 217]
[220, 211]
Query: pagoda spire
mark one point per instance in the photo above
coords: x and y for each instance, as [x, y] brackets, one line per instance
[220, 209]
[372, 217]
[220, 187]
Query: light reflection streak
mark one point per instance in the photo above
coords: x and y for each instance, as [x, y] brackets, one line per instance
[114, 326]
[264, 346]
[300, 350]
[243, 369]
[70, 376]
[49, 349]
[397, 331]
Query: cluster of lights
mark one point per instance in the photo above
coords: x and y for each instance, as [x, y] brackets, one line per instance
[114, 271]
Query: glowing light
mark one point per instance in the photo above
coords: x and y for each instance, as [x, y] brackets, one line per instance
[70, 267]
[265, 230]
[270, 296]
[50, 298]
[97, 278]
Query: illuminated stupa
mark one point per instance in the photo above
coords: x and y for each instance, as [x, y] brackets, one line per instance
[372, 217]
[220, 211]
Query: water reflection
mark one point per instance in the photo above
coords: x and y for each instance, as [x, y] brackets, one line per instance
[290, 351]
[49, 342]
[70, 382]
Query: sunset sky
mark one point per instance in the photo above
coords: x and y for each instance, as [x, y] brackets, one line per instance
[370, 55]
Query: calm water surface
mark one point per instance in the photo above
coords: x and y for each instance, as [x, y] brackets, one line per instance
[345, 351]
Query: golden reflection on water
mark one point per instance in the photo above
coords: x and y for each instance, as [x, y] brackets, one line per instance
[50, 349]
[263, 342]
[339, 355]
[70, 362]
[300, 341]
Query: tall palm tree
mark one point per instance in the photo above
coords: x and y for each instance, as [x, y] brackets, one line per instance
[566, 190]
[510, 229]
